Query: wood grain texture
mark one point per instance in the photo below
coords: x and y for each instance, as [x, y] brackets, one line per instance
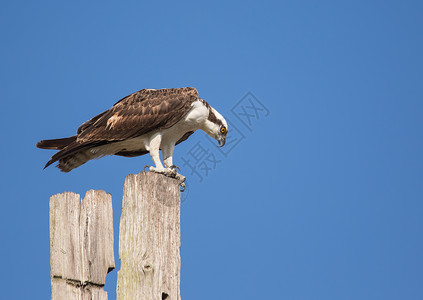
[81, 245]
[149, 238]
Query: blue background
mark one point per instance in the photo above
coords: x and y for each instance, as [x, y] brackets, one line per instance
[322, 200]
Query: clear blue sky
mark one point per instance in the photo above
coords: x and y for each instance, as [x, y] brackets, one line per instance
[323, 199]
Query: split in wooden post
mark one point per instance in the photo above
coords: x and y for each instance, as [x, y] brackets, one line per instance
[81, 245]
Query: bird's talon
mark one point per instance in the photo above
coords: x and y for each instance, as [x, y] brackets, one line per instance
[180, 177]
[170, 172]
[174, 167]
[182, 186]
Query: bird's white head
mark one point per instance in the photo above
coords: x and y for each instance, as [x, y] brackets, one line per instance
[216, 126]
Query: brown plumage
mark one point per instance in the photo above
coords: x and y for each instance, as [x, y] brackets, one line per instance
[56, 144]
[132, 116]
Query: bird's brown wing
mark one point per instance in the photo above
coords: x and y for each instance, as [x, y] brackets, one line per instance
[138, 114]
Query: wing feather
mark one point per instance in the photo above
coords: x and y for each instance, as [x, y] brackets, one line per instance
[138, 114]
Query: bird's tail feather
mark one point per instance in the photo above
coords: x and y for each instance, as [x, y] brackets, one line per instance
[74, 155]
[56, 144]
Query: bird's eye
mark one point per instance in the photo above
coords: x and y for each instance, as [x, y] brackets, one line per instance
[223, 130]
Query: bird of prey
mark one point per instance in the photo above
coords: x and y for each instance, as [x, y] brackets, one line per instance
[145, 121]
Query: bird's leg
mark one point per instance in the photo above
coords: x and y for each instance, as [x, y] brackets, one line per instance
[167, 151]
[155, 153]
[154, 149]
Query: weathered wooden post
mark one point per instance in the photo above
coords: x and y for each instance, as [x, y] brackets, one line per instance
[81, 245]
[149, 238]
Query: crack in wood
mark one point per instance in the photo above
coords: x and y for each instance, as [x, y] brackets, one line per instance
[81, 245]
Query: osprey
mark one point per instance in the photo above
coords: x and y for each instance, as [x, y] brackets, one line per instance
[145, 121]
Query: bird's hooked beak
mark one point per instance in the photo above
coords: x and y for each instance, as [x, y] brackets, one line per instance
[221, 140]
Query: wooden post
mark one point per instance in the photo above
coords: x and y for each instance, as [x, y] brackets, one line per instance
[149, 238]
[81, 245]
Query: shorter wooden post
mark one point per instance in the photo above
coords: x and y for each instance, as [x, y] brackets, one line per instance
[81, 245]
[149, 238]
